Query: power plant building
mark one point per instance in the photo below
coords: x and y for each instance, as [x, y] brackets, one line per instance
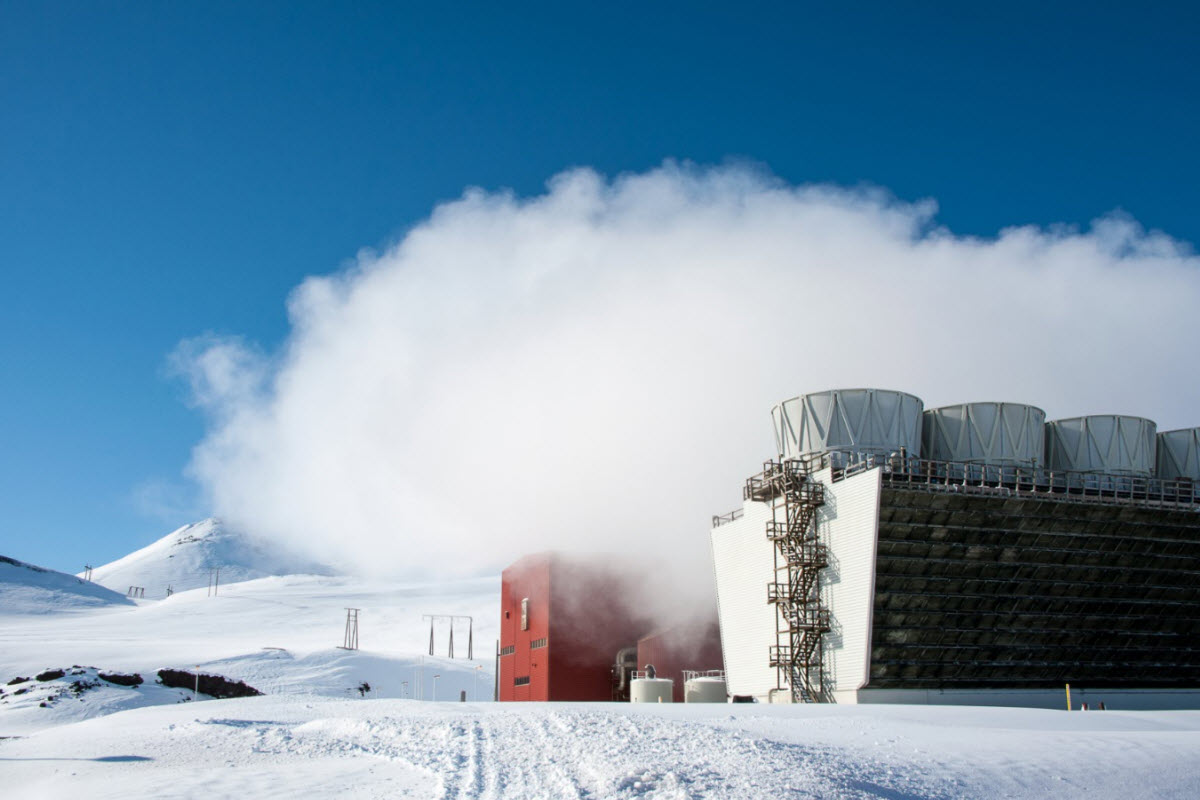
[576, 628]
[974, 553]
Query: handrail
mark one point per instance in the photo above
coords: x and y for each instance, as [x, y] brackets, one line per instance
[724, 519]
[1014, 480]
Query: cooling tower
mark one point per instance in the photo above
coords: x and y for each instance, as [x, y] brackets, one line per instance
[859, 421]
[1009, 434]
[1105, 443]
[1179, 454]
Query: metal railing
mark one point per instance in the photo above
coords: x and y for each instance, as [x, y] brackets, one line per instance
[1012, 480]
[724, 519]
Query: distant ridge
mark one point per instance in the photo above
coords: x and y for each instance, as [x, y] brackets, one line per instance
[184, 559]
[29, 589]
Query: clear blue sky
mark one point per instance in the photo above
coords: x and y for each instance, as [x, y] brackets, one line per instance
[171, 169]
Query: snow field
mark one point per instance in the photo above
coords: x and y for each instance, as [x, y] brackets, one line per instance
[281, 632]
[278, 746]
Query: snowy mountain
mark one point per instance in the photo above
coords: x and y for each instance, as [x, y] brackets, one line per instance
[26, 589]
[185, 559]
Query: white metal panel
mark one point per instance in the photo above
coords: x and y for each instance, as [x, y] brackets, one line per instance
[1109, 443]
[743, 558]
[849, 420]
[985, 433]
[1179, 454]
[848, 524]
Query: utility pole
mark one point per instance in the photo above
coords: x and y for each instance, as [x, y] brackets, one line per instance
[452, 618]
[214, 581]
[87, 572]
[435, 677]
[351, 639]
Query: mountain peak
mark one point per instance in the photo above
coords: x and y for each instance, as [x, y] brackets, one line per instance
[187, 557]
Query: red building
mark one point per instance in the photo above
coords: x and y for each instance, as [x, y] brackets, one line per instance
[563, 621]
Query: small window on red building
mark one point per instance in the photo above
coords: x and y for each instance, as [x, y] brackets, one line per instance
[525, 614]
[522, 681]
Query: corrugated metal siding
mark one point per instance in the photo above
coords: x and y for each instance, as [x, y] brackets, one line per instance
[848, 523]
[743, 558]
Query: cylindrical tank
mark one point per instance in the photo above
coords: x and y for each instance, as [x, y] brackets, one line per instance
[1007, 434]
[1106, 443]
[1179, 454]
[704, 690]
[858, 421]
[651, 690]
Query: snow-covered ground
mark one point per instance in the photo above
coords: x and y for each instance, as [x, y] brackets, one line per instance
[29, 589]
[313, 732]
[280, 635]
[284, 746]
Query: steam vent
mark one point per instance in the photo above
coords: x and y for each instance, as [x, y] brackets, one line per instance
[970, 554]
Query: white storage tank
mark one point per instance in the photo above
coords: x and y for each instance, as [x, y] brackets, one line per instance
[651, 690]
[1105, 443]
[1007, 434]
[858, 421]
[704, 689]
[1179, 454]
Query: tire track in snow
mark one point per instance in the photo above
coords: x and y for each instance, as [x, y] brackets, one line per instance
[472, 780]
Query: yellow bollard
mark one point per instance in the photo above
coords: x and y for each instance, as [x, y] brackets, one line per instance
[1068, 697]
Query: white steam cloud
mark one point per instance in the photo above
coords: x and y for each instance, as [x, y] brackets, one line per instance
[593, 368]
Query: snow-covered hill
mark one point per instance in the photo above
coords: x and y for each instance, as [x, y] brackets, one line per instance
[185, 558]
[278, 634]
[27, 589]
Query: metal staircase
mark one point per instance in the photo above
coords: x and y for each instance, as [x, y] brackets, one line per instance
[797, 655]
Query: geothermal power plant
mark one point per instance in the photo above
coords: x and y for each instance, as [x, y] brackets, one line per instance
[968, 554]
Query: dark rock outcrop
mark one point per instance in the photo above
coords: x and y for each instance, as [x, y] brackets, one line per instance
[211, 685]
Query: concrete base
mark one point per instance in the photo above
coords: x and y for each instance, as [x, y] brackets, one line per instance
[1113, 699]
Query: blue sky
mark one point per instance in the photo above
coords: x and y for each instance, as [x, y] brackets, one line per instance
[168, 171]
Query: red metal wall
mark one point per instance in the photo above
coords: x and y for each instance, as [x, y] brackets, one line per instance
[589, 624]
[527, 578]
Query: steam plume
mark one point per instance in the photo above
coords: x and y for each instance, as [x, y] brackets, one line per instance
[592, 368]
